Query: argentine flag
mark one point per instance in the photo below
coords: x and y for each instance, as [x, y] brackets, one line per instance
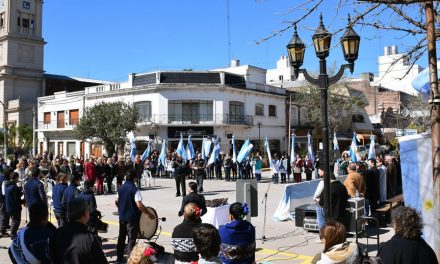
[335, 142]
[234, 152]
[215, 152]
[245, 150]
[310, 149]
[181, 148]
[147, 152]
[133, 145]
[422, 84]
[417, 181]
[190, 149]
[353, 148]
[269, 155]
[372, 150]
[292, 150]
[206, 147]
[163, 153]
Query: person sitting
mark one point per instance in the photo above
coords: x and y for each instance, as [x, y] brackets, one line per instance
[30, 245]
[237, 237]
[207, 241]
[407, 245]
[193, 197]
[336, 248]
[182, 241]
[73, 243]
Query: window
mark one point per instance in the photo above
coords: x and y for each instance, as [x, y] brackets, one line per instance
[2, 20]
[259, 110]
[190, 111]
[304, 115]
[280, 78]
[74, 117]
[272, 110]
[294, 116]
[144, 109]
[71, 148]
[236, 112]
[46, 118]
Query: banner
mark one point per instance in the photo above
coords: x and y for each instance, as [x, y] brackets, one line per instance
[215, 152]
[292, 150]
[372, 149]
[310, 149]
[146, 153]
[234, 152]
[417, 182]
[353, 148]
[245, 150]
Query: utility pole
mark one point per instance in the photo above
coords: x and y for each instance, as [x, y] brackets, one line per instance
[33, 132]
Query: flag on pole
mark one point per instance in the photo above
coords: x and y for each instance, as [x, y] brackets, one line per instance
[335, 142]
[353, 148]
[180, 148]
[244, 151]
[146, 153]
[310, 148]
[163, 153]
[215, 152]
[190, 149]
[269, 155]
[422, 84]
[132, 140]
[292, 150]
[206, 147]
[372, 150]
[234, 152]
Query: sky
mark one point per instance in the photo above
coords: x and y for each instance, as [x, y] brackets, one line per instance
[107, 40]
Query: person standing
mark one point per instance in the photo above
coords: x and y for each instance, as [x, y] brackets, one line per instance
[100, 175]
[34, 189]
[382, 179]
[372, 195]
[180, 175]
[338, 199]
[120, 170]
[73, 243]
[297, 169]
[109, 174]
[283, 168]
[227, 164]
[234, 171]
[13, 202]
[258, 167]
[78, 168]
[320, 216]
[71, 192]
[4, 219]
[88, 195]
[218, 166]
[90, 170]
[354, 181]
[57, 199]
[275, 169]
[199, 170]
[139, 169]
[130, 207]
[193, 197]
[308, 168]
[65, 168]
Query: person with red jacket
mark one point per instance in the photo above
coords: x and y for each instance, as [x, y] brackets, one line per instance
[90, 170]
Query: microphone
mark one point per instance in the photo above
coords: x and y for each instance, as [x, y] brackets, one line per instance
[163, 219]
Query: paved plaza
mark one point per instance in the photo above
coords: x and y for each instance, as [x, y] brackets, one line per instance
[284, 242]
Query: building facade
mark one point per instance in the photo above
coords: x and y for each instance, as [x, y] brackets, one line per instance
[214, 104]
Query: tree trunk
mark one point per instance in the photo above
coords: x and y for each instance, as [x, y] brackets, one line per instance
[110, 148]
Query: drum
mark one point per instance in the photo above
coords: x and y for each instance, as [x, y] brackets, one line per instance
[148, 226]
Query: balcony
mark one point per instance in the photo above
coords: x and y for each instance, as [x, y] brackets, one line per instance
[184, 119]
[58, 124]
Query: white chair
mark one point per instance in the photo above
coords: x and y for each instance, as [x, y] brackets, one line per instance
[147, 179]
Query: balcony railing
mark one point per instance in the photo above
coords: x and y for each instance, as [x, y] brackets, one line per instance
[186, 119]
[58, 124]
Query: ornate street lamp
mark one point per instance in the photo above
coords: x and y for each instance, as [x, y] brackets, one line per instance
[321, 41]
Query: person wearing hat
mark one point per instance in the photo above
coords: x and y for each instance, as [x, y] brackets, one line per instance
[57, 199]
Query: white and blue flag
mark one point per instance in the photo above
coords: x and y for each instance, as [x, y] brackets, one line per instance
[206, 147]
[147, 152]
[215, 152]
[234, 152]
[422, 84]
[133, 145]
[353, 148]
[190, 149]
[417, 181]
[269, 155]
[372, 150]
[335, 142]
[244, 151]
[292, 150]
[181, 148]
[310, 148]
[163, 153]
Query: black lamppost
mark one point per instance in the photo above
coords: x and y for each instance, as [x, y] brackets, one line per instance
[321, 40]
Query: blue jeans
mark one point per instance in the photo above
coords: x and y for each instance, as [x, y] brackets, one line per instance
[275, 178]
[320, 217]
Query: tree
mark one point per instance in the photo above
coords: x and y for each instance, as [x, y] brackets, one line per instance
[342, 104]
[12, 134]
[24, 135]
[406, 20]
[107, 123]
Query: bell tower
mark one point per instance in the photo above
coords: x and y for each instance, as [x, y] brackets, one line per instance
[21, 59]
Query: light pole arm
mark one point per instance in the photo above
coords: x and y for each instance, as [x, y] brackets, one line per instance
[334, 79]
[309, 78]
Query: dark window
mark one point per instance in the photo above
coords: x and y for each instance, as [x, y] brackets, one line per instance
[272, 110]
[259, 110]
[236, 112]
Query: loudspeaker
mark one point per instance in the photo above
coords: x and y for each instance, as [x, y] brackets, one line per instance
[355, 211]
[247, 192]
[303, 211]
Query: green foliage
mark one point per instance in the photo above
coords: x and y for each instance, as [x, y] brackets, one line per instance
[25, 135]
[107, 123]
[12, 134]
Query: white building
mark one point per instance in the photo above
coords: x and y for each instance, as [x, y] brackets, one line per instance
[203, 104]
